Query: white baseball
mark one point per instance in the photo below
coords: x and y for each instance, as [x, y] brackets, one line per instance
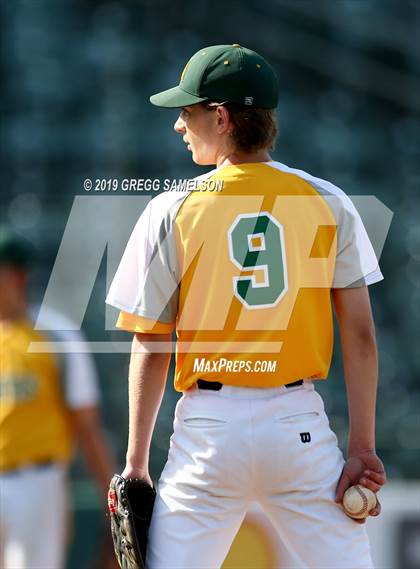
[358, 501]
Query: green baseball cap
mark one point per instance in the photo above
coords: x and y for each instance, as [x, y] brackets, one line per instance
[223, 73]
[14, 250]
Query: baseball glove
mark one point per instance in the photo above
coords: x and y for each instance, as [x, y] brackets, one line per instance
[130, 504]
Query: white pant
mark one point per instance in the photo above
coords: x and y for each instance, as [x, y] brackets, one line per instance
[33, 516]
[238, 445]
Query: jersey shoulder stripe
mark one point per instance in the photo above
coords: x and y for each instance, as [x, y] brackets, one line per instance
[164, 207]
[147, 238]
[349, 227]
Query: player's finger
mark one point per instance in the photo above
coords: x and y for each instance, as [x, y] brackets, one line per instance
[344, 483]
[376, 510]
[368, 483]
[357, 520]
[378, 477]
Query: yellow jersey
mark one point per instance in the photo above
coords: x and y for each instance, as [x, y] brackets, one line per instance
[34, 421]
[241, 267]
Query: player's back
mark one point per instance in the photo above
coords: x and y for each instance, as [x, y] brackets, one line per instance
[255, 276]
[244, 274]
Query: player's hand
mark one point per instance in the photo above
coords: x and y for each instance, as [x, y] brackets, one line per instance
[132, 472]
[364, 468]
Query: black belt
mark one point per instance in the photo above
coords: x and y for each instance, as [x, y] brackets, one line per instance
[216, 385]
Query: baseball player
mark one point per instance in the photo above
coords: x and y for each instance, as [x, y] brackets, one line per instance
[47, 405]
[246, 276]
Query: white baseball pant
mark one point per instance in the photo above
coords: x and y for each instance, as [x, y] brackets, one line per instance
[33, 518]
[240, 445]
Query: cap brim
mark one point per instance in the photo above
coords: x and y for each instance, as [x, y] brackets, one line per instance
[175, 98]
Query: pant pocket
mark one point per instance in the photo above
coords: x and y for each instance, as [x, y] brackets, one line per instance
[298, 417]
[203, 422]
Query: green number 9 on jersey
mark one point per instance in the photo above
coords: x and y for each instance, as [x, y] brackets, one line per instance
[256, 243]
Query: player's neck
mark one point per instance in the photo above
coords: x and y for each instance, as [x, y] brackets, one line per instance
[238, 157]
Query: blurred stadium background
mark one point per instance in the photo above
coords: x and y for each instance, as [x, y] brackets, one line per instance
[76, 77]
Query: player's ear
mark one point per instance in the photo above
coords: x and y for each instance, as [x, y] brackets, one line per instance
[223, 119]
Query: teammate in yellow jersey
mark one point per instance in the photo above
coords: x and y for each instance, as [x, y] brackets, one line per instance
[246, 277]
[47, 405]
